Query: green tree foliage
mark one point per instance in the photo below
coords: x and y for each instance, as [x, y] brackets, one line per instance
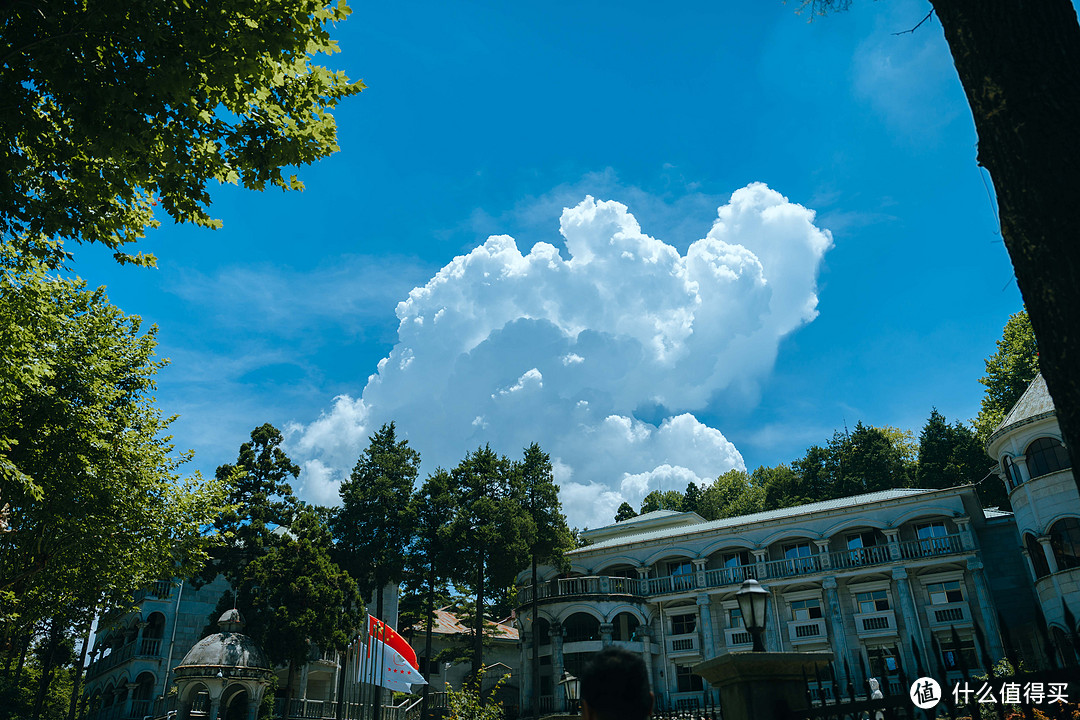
[90, 491]
[729, 495]
[375, 523]
[490, 530]
[691, 498]
[952, 455]
[1009, 371]
[293, 596]
[662, 500]
[110, 108]
[625, 512]
[260, 501]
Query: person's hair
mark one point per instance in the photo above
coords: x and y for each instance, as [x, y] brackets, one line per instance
[615, 684]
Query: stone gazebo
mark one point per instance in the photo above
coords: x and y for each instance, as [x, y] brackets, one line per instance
[224, 675]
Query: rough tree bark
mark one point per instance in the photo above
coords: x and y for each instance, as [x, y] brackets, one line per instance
[1019, 63]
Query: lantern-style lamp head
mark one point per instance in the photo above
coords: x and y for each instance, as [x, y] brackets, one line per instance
[753, 600]
[572, 687]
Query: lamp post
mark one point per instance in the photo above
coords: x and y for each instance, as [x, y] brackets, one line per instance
[572, 687]
[753, 600]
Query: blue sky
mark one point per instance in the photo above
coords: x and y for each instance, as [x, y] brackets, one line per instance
[876, 294]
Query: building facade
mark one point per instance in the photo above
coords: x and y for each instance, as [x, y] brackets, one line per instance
[861, 577]
[1034, 465]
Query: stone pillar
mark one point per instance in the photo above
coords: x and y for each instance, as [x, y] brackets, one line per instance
[760, 556]
[337, 678]
[837, 630]
[215, 708]
[986, 607]
[1030, 564]
[699, 572]
[967, 538]
[892, 538]
[823, 553]
[557, 693]
[643, 578]
[131, 688]
[1020, 461]
[773, 635]
[912, 627]
[138, 637]
[302, 694]
[708, 643]
[646, 652]
[527, 637]
[606, 630]
[1048, 551]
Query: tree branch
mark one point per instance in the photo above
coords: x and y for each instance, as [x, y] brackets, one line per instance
[912, 30]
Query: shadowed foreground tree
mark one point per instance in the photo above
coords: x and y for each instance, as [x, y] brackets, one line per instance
[1019, 64]
[110, 108]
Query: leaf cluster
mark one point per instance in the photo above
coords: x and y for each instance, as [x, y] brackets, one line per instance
[111, 108]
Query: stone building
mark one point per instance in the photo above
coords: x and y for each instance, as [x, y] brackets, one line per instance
[1034, 465]
[859, 576]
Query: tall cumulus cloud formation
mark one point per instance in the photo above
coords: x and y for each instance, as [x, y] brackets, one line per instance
[562, 349]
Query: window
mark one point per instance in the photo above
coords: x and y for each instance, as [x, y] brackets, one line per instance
[683, 624]
[682, 574]
[428, 668]
[1065, 542]
[1038, 557]
[686, 680]
[806, 609]
[926, 531]
[736, 559]
[943, 593]
[800, 555]
[1046, 455]
[872, 601]
[861, 540]
[883, 661]
[735, 618]
[1012, 472]
[958, 656]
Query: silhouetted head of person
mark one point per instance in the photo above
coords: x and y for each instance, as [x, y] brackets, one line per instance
[615, 686]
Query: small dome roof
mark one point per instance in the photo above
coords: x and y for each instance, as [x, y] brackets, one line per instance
[227, 648]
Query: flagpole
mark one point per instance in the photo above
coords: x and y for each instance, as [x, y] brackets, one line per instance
[365, 661]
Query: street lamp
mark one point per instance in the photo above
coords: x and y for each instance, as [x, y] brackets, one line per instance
[572, 687]
[753, 600]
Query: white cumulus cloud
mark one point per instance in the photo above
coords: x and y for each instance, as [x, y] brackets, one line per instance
[562, 348]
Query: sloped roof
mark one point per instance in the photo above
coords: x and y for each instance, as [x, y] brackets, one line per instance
[447, 623]
[766, 516]
[1034, 404]
[654, 520]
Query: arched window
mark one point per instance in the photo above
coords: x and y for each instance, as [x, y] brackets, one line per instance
[1012, 472]
[1038, 557]
[1046, 455]
[1065, 541]
[581, 626]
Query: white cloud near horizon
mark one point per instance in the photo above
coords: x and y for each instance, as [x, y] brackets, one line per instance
[507, 348]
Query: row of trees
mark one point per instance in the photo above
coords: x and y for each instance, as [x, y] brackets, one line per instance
[869, 459]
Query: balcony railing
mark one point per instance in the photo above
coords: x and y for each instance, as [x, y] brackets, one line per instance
[737, 637]
[806, 631]
[683, 643]
[150, 647]
[117, 656]
[950, 614]
[875, 624]
[769, 570]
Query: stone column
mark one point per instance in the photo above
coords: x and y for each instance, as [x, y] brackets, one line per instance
[760, 556]
[823, 553]
[1030, 564]
[708, 644]
[838, 632]
[215, 708]
[138, 637]
[527, 637]
[912, 627]
[699, 572]
[558, 695]
[303, 680]
[643, 578]
[774, 640]
[1048, 551]
[892, 538]
[1021, 464]
[606, 630]
[645, 633]
[967, 538]
[986, 607]
[131, 688]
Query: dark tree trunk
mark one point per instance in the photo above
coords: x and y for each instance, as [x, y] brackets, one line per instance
[48, 663]
[76, 679]
[22, 658]
[1019, 63]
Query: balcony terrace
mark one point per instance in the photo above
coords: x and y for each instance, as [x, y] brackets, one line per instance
[641, 589]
